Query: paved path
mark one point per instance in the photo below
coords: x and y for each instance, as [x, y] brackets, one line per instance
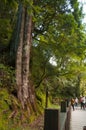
[78, 119]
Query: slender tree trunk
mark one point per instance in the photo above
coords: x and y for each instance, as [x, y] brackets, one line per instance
[26, 56]
[19, 59]
[26, 93]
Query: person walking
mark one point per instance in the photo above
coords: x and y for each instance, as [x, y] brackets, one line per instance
[76, 101]
[72, 103]
[82, 102]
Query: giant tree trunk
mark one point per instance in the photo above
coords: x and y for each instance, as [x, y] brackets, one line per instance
[26, 93]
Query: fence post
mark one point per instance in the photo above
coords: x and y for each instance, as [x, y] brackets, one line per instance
[63, 106]
[51, 119]
[46, 103]
[84, 127]
[67, 124]
[67, 102]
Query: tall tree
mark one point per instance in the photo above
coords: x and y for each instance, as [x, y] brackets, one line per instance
[25, 91]
[54, 27]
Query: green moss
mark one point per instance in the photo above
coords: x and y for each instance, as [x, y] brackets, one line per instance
[4, 99]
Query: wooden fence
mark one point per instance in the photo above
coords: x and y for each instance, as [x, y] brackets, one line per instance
[58, 119]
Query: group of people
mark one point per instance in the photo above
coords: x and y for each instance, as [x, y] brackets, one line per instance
[76, 101]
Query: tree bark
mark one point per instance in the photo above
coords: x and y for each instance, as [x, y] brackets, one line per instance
[19, 59]
[26, 94]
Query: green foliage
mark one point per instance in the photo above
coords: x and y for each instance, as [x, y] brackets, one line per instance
[40, 95]
[5, 101]
[7, 22]
[57, 32]
[8, 103]
[4, 98]
[7, 77]
[5, 31]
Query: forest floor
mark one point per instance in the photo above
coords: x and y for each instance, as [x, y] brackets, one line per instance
[38, 124]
